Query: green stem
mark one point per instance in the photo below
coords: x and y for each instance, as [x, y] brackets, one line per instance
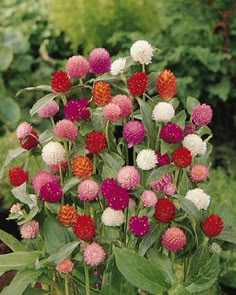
[67, 288]
[63, 98]
[86, 273]
[52, 121]
[94, 163]
[106, 132]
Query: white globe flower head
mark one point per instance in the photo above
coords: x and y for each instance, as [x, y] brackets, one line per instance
[194, 143]
[118, 66]
[53, 153]
[146, 159]
[112, 217]
[199, 198]
[163, 112]
[204, 149]
[142, 52]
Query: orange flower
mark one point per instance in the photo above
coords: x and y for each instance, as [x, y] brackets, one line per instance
[166, 85]
[67, 215]
[101, 93]
[82, 167]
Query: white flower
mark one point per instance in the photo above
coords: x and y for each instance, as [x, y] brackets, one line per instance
[141, 51]
[199, 198]
[118, 66]
[204, 149]
[112, 217]
[146, 159]
[53, 153]
[163, 112]
[194, 143]
[215, 248]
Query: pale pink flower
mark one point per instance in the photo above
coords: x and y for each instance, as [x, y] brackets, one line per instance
[67, 129]
[111, 112]
[125, 104]
[198, 172]
[15, 208]
[94, 254]
[148, 198]
[128, 177]
[77, 66]
[41, 178]
[48, 110]
[65, 265]
[160, 183]
[29, 230]
[88, 190]
[169, 189]
[23, 130]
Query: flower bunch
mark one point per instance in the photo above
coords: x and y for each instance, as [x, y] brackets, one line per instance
[121, 186]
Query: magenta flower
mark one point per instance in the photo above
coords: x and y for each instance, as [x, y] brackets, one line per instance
[171, 133]
[118, 198]
[133, 132]
[41, 178]
[108, 185]
[50, 192]
[66, 129]
[202, 114]
[99, 61]
[160, 183]
[189, 128]
[139, 225]
[162, 159]
[77, 109]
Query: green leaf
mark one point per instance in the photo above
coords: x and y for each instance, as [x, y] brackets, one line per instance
[11, 241]
[41, 102]
[174, 102]
[107, 171]
[157, 173]
[179, 119]
[70, 183]
[39, 88]
[149, 239]
[46, 136]
[228, 235]
[18, 260]
[113, 160]
[191, 103]
[12, 154]
[19, 193]
[203, 130]
[190, 209]
[178, 290]
[6, 57]
[184, 183]
[85, 127]
[141, 272]
[97, 119]
[9, 111]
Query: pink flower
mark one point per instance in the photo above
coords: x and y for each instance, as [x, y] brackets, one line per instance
[173, 239]
[48, 110]
[139, 225]
[133, 132]
[23, 130]
[77, 109]
[29, 230]
[171, 133]
[99, 61]
[124, 103]
[148, 198]
[169, 189]
[41, 178]
[55, 167]
[50, 192]
[15, 208]
[189, 128]
[77, 66]
[111, 112]
[202, 114]
[88, 190]
[128, 177]
[65, 128]
[65, 265]
[94, 254]
[198, 172]
[160, 183]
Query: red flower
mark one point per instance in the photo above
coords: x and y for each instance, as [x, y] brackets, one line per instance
[212, 225]
[60, 81]
[17, 176]
[182, 157]
[166, 84]
[101, 93]
[30, 141]
[137, 84]
[164, 210]
[84, 227]
[95, 141]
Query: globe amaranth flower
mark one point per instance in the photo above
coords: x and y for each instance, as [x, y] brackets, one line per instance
[66, 129]
[23, 130]
[107, 186]
[82, 166]
[48, 110]
[117, 198]
[148, 198]
[160, 183]
[42, 177]
[63, 165]
[139, 225]
[111, 112]
[17, 176]
[60, 81]
[133, 132]
[169, 189]
[173, 238]
[182, 157]
[94, 254]
[28, 137]
[111, 217]
[128, 177]
[77, 109]
[166, 84]
[146, 159]
[95, 141]
[29, 229]
[164, 210]
[118, 66]
[189, 128]
[202, 114]
[65, 265]
[212, 225]
[198, 172]
[194, 143]
[50, 192]
[142, 52]
[199, 198]
[77, 66]
[137, 84]
[53, 153]
[101, 93]
[171, 132]
[67, 215]
[162, 159]
[84, 227]
[88, 190]
[163, 112]
[125, 104]
[99, 61]
[15, 208]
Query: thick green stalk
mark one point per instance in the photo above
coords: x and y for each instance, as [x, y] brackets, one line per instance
[86, 273]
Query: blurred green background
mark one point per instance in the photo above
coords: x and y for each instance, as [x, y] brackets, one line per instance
[197, 41]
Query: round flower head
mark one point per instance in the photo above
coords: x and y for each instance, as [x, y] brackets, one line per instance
[133, 132]
[194, 143]
[182, 157]
[199, 198]
[125, 104]
[202, 114]
[142, 52]
[77, 109]
[23, 130]
[148, 198]
[30, 141]
[139, 225]
[169, 189]
[53, 153]
[77, 66]
[215, 248]
[173, 238]
[171, 133]
[128, 177]
[94, 254]
[163, 112]
[108, 186]
[212, 225]
[29, 230]
[56, 167]
[17, 176]
[67, 215]
[95, 141]
[146, 159]
[41, 178]
[101, 93]
[189, 128]
[111, 112]
[160, 183]
[162, 159]
[65, 265]
[118, 66]
[82, 167]
[164, 210]
[88, 190]
[15, 208]
[117, 198]
[99, 61]
[166, 84]
[50, 192]
[48, 110]
[66, 129]
[198, 172]
[84, 227]
[60, 81]
[111, 217]
[137, 84]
